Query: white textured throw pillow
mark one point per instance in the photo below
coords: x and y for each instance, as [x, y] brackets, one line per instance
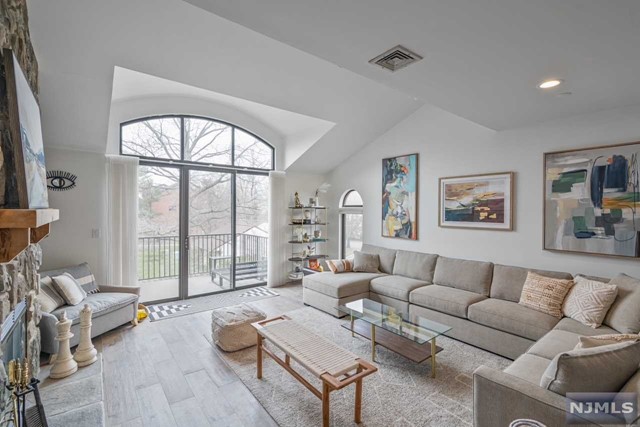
[608, 339]
[48, 298]
[588, 301]
[69, 288]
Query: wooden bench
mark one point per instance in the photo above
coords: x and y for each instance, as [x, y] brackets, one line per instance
[334, 366]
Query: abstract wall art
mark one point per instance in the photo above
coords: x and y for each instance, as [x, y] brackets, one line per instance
[477, 201]
[590, 200]
[26, 135]
[400, 197]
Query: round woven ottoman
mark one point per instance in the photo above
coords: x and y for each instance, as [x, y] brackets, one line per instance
[231, 328]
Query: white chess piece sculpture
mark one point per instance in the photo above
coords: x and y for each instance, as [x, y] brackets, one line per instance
[86, 353]
[64, 364]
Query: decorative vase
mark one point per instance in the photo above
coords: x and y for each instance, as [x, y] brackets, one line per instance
[64, 365]
[86, 353]
[317, 234]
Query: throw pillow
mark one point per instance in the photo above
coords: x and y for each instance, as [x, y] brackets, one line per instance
[624, 316]
[69, 289]
[48, 298]
[589, 300]
[339, 265]
[545, 294]
[608, 339]
[366, 263]
[589, 370]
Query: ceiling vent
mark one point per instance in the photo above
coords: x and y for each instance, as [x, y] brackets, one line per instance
[396, 58]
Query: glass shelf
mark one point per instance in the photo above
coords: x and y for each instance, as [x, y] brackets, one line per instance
[308, 207]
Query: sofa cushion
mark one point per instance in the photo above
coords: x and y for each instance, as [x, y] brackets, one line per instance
[387, 256]
[624, 315]
[445, 300]
[473, 276]
[528, 367]
[339, 285]
[68, 288]
[589, 370]
[101, 304]
[415, 265]
[588, 301]
[554, 343]
[81, 272]
[48, 297]
[545, 294]
[397, 287]
[508, 281]
[366, 263]
[511, 317]
[571, 325]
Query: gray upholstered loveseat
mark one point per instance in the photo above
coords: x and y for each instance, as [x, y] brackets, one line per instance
[480, 301]
[112, 306]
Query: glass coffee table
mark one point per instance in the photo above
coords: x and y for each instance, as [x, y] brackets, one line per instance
[385, 326]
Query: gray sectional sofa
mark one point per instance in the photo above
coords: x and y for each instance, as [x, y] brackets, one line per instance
[112, 306]
[480, 301]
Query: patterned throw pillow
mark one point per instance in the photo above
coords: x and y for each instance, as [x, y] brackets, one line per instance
[545, 294]
[599, 340]
[69, 288]
[589, 301]
[48, 298]
[340, 265]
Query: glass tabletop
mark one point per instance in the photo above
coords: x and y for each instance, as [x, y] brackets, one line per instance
[416, 328]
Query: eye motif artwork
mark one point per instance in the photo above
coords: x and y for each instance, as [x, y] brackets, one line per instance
[60, 180]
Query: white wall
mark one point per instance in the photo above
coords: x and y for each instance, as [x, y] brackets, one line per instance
[81, 211]
[449, 145]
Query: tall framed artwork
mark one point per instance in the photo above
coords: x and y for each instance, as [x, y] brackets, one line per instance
[400, 197]
[591, 197]
[26, 136]
[477, 201]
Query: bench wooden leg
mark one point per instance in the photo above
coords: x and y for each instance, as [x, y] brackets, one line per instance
[326, 418]
[358, 410]
[259, 357]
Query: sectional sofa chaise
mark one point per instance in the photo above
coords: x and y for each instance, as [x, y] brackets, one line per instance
[480, 301]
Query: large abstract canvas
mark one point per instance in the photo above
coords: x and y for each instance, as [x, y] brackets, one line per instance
[26, 134]
[591, 200]
[400, 197]
[477, 201]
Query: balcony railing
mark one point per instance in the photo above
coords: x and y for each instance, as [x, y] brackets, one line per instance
[159, 257]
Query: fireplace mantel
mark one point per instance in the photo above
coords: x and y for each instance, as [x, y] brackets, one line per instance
[21, 227]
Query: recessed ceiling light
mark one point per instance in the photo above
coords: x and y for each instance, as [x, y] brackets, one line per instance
[548, 84]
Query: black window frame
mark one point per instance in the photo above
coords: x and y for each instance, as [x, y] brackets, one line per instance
[233, 127]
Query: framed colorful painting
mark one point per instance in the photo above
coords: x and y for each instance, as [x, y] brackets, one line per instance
[591, 197]
[400, 197]
[477, 201]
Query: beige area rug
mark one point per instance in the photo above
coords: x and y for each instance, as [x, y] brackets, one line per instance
[401, 393]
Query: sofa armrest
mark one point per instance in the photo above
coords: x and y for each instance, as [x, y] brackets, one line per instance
[499, 398]
[48, 332]
[121, 289]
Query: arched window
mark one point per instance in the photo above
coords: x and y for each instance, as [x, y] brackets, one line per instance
[195, 140]
[350, 223]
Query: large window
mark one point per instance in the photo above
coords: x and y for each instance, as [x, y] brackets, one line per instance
[195, 140]
[202, 205]
[350, 223]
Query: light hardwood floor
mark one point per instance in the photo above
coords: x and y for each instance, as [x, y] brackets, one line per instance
[166, 373]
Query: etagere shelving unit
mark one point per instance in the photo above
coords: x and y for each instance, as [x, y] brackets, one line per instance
[307, 239]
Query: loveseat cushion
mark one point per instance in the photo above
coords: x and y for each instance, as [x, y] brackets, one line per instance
[445, 300]
[397, 287]
[511, 317]
[339, 285]
[387, 256]
[508, 281]
[571, 325]
[415, 265]
[472, 276]
[101, 304]
[81, 272]
[528, 367]
[554, 343]
[624, 315]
